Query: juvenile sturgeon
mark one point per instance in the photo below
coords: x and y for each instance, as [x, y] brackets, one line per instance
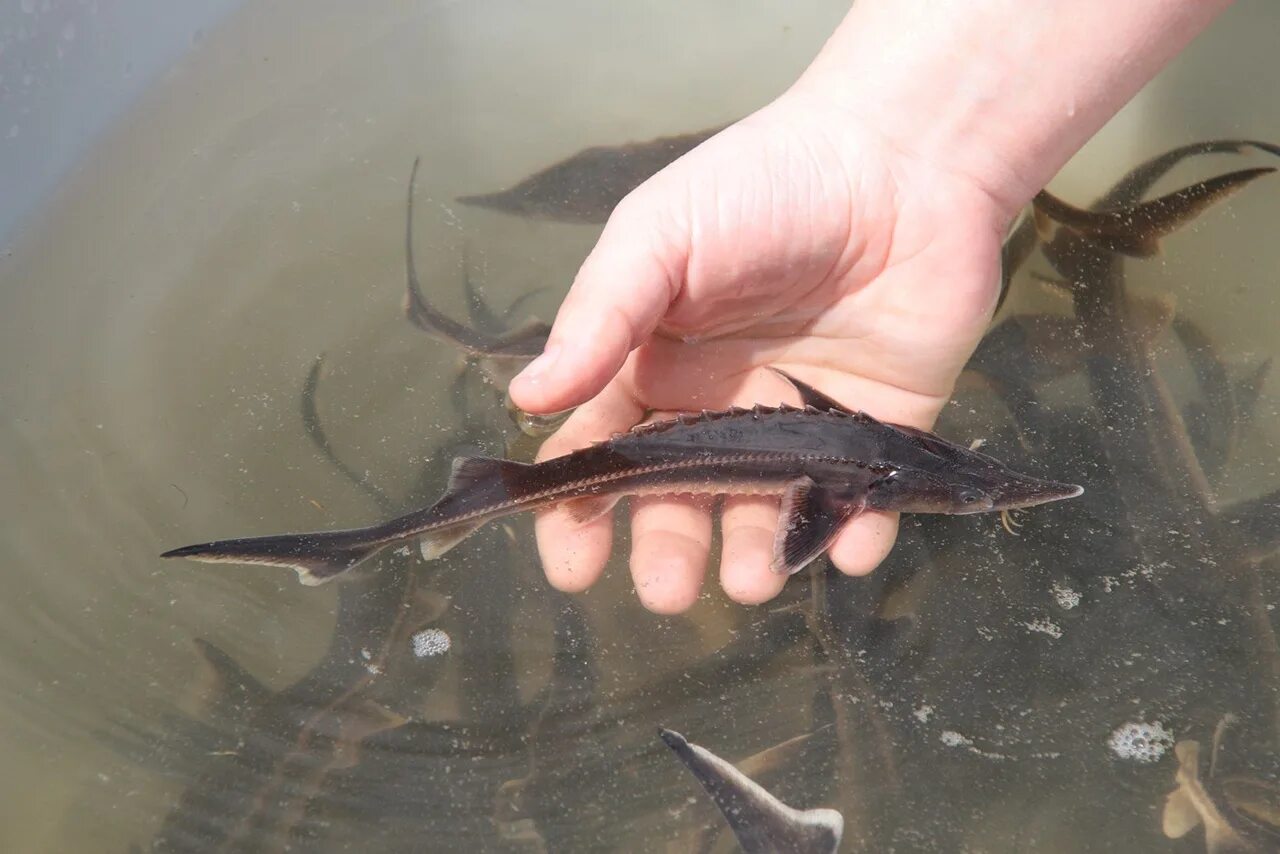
[586, 187]
[828, 464]
[520, 345]
[1136, 231]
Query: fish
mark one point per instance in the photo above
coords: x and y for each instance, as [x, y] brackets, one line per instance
[519, 345]
[1122, 197]
[500, 354]
[828, 464]
[762, 823]
[1136, 231]
[586, 187]
[1239, 813]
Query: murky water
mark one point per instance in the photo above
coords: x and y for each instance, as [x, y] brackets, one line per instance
[157, 325]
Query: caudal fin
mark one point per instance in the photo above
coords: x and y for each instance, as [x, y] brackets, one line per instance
[317, 557]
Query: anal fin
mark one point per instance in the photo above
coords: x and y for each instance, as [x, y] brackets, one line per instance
[435, 543]
[808, 520]
[588, 508]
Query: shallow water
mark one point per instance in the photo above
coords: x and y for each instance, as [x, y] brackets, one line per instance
[159, 317]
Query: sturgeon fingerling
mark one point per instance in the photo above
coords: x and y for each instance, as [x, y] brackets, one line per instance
[826, 462]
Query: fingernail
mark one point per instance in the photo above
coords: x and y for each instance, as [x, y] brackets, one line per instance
[537, 370]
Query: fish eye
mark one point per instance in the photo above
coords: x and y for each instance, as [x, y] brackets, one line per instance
[970, 496]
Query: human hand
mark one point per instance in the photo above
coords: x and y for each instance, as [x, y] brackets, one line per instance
[848, 233]
[795, 239]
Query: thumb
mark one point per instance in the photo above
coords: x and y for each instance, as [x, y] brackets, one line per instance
[622, 291]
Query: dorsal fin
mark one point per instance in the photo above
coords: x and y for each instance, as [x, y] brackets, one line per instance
[705, 416]
[810, 396]
[468, 471]
[943, 448]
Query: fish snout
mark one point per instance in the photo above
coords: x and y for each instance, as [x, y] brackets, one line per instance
[1029, 491]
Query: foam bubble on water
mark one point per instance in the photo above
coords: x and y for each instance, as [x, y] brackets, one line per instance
[1065, 596]
[1044, 626]
[429, 642]
[1140, 741]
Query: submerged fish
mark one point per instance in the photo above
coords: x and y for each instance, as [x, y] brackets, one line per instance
[1136, 231]
[1239, 813]
[760, 821]
[500, 354]
[828, 464]
[586, 187]
[518, 346]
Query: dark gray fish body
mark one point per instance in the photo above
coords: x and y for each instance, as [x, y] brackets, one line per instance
[1136, 231]
[828, 465]
[586, 187]
[762, 823]
[518, 345]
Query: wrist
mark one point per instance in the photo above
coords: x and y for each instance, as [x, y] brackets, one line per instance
[998, 91]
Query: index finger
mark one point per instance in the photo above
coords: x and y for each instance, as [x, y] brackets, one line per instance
[624, 288]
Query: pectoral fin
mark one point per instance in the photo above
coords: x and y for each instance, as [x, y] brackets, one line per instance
[808, 520]
[1180, 815]
[760, 821]
[225, 689]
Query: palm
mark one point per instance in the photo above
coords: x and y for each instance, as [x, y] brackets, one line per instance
[777, 243]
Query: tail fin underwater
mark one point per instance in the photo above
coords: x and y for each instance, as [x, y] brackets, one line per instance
[317, 557]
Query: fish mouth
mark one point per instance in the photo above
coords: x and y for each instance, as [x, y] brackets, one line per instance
[1033, 492]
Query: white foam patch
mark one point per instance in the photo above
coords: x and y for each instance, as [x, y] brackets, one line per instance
[1065, 596]
[1044, 626]
[1140, 741]
[430, 642]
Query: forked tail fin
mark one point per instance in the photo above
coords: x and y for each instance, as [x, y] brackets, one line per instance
[317, 557]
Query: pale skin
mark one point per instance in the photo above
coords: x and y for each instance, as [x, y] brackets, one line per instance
[847, 233]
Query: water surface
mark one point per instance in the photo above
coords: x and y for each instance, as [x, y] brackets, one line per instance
[158, 320]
